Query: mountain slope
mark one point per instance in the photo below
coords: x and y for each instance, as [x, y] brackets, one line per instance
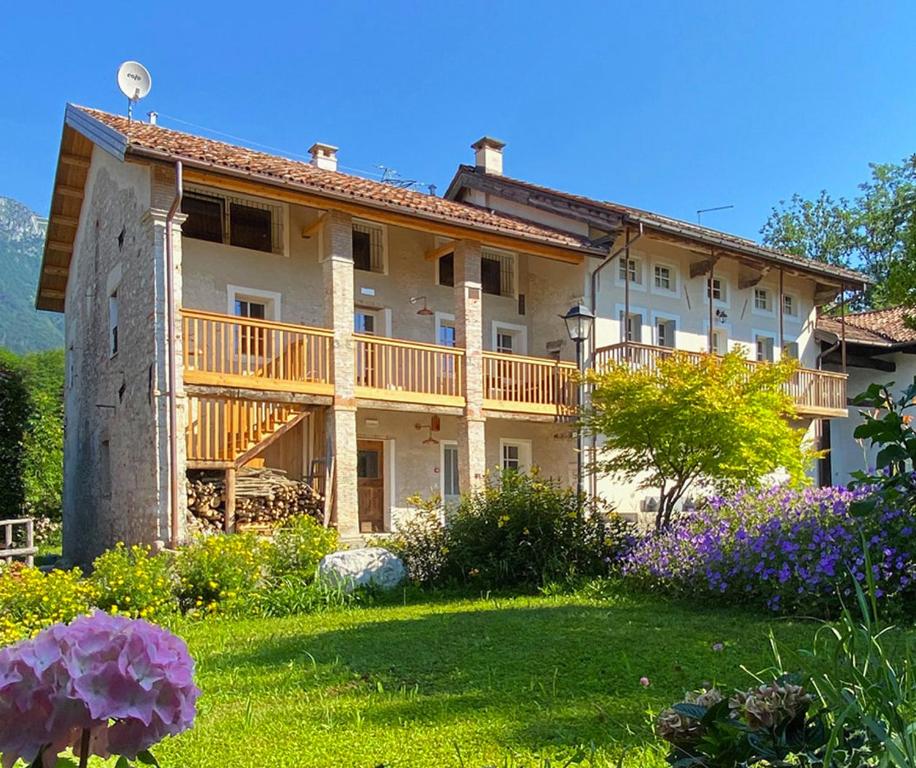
[22, 327]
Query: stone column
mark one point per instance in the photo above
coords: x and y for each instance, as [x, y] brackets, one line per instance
[337, 255]
[472, 461]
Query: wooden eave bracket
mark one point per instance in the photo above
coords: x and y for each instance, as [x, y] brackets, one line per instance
[749, 281]
[434, 254]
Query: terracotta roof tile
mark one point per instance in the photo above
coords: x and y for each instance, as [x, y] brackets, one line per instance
[144, 136]
[880, 327]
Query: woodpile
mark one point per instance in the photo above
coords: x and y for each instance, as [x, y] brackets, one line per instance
[265, 498]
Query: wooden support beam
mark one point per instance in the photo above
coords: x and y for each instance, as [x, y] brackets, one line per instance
[59, 245]
[67, 191]
[66, 221]
[49, 294]
[749, 281]
[312, 229]
[77, 161]
[229, 511]
[55, 271]
[704, 267]
[443, 250]
[270, 440]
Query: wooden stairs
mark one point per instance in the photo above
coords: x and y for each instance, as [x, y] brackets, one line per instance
[229, 432]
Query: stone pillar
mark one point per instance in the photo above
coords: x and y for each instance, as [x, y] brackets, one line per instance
[337, 255]
[472, 461]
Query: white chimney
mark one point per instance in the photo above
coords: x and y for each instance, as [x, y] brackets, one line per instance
[324, 156]
[488, 155]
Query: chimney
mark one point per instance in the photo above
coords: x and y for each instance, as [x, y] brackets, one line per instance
[488, 155]
[324, 156]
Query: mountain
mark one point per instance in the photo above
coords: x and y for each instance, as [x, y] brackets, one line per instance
[22, 327]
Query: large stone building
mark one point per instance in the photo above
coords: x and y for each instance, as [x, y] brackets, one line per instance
[224, 305]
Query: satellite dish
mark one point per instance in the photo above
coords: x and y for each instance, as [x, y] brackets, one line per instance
[134, 80]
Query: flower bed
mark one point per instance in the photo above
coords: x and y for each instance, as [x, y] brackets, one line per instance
[785, 549]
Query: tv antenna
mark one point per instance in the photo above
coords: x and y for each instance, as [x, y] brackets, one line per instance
[701, 211]
[135, 82]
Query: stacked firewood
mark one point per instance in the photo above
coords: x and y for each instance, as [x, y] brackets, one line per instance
[264, 498]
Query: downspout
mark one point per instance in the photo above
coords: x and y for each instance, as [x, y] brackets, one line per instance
[172, 358]
[593, 344]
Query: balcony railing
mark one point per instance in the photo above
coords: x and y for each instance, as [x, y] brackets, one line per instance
[228, 351]
[816, 393]
[408, 371]
[528, 384]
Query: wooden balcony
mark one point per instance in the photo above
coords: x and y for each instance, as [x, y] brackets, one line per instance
[528, 384]
[817, 394]
[228, 351]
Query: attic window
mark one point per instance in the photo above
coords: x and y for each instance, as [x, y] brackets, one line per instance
[242, 222]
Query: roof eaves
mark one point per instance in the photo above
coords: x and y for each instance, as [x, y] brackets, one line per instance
[104, 136]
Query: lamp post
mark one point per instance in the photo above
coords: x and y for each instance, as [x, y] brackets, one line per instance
[579, 320]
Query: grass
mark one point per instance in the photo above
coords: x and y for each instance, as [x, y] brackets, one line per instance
[461, 682]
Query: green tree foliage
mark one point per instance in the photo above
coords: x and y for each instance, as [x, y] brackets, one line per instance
[875, 231]
[690, 423]
[31, 433]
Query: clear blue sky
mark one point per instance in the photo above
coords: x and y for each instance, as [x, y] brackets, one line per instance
[672, 106]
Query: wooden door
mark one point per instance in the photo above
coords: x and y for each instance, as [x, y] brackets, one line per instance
[370, 484]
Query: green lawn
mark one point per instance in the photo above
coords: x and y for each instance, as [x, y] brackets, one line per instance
[422, 683]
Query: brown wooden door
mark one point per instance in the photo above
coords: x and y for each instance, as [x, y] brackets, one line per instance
[370, 484]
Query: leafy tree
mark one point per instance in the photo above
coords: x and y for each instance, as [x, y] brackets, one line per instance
[686, 422]
[874, 232]
[31, 433]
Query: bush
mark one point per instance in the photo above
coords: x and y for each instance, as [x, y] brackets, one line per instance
[297, 594]
[520, 530]
[221, 573]
[31, 600]
[421, 541]
[785, 549]
[299, 546]
[134, 582]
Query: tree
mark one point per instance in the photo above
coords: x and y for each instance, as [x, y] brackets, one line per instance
[874, 232]
[684, 423]
[14, 412]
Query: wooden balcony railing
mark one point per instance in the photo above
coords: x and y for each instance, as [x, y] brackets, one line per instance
[816, 393]
[223, 350]
[528, 384]
[408, 371]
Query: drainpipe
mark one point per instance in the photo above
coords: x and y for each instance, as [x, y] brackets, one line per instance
[172, 357]
[593, 345]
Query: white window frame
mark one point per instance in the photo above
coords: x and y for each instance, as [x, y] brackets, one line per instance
[621, 330]
[383, 229]
[796, 316]
[271, 299]
[787, 343]
[755, 310]
[524, 453]
[228, 197]
[675, 279]
[382, 319]
[441, 319]
[501, 254]
[519, 331]
[717, 328]
[665, 316]
[777, 352]
[726, 286]
[640, 272]
[442, 446]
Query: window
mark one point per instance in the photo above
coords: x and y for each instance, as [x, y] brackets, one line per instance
[364, 321]
[515, 455]
[447, 269]
[634, 271]
[664, 332]
[505, 343]
[252, 339]
[249, 308]
[510, 339]
[789, 307]
[236, 221]
[790, 350]
[762, 300]
[205, 217]
[113, 324]
[719, 290]
[764, 346]
[665, 278]
[451, 490]
[497, 273]
[633, 327]
[719, 342]
[447, 333]
[368, 247]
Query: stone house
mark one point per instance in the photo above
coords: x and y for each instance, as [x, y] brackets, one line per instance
[225, 306]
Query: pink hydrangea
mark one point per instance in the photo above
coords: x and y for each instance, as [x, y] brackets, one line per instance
[128, 683]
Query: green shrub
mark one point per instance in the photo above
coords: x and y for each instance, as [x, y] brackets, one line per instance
[299, 546]
[221, 572]
[31, 600]
[421, 541]
[134, 582]
[519, 530]
[297, 594]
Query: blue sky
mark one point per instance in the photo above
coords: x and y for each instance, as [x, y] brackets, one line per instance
[669, 106]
